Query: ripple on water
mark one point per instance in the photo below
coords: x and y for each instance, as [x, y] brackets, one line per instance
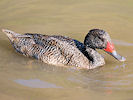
[36, 83]
[119, 42]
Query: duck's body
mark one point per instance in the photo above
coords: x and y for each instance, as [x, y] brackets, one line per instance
[56, 50]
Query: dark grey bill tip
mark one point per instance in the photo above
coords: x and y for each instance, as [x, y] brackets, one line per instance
[118, 57]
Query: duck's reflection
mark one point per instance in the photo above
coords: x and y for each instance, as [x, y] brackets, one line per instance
[36, 83]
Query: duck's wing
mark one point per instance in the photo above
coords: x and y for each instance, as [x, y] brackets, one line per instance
[59, 50]
[45, 40]
[53, 40]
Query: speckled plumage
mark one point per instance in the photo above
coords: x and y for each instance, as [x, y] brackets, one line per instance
[56, 50]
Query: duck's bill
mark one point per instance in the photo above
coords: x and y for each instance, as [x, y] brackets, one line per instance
[110, 50]
[117, 56]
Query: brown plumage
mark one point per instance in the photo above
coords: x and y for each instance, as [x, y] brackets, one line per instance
[57, 50]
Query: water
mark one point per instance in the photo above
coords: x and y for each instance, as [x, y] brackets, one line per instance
[24, 78]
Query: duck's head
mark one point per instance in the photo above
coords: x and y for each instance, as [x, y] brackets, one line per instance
[99, 39]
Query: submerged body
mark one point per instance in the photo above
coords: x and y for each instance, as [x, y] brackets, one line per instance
[56, 50]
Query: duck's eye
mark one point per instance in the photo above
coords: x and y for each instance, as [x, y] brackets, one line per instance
[101, 37]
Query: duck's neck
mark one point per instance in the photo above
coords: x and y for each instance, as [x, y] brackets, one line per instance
[95, 58]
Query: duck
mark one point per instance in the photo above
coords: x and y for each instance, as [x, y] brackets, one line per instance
[64, 51]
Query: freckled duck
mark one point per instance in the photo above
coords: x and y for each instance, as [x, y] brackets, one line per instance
[64, 51]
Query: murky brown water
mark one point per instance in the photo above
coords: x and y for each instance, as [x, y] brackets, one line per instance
[24, 78]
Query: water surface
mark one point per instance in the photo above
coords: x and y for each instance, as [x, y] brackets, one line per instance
[24, 78]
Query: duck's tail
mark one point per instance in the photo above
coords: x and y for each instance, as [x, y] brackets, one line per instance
[7, 32]
[10, 33]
